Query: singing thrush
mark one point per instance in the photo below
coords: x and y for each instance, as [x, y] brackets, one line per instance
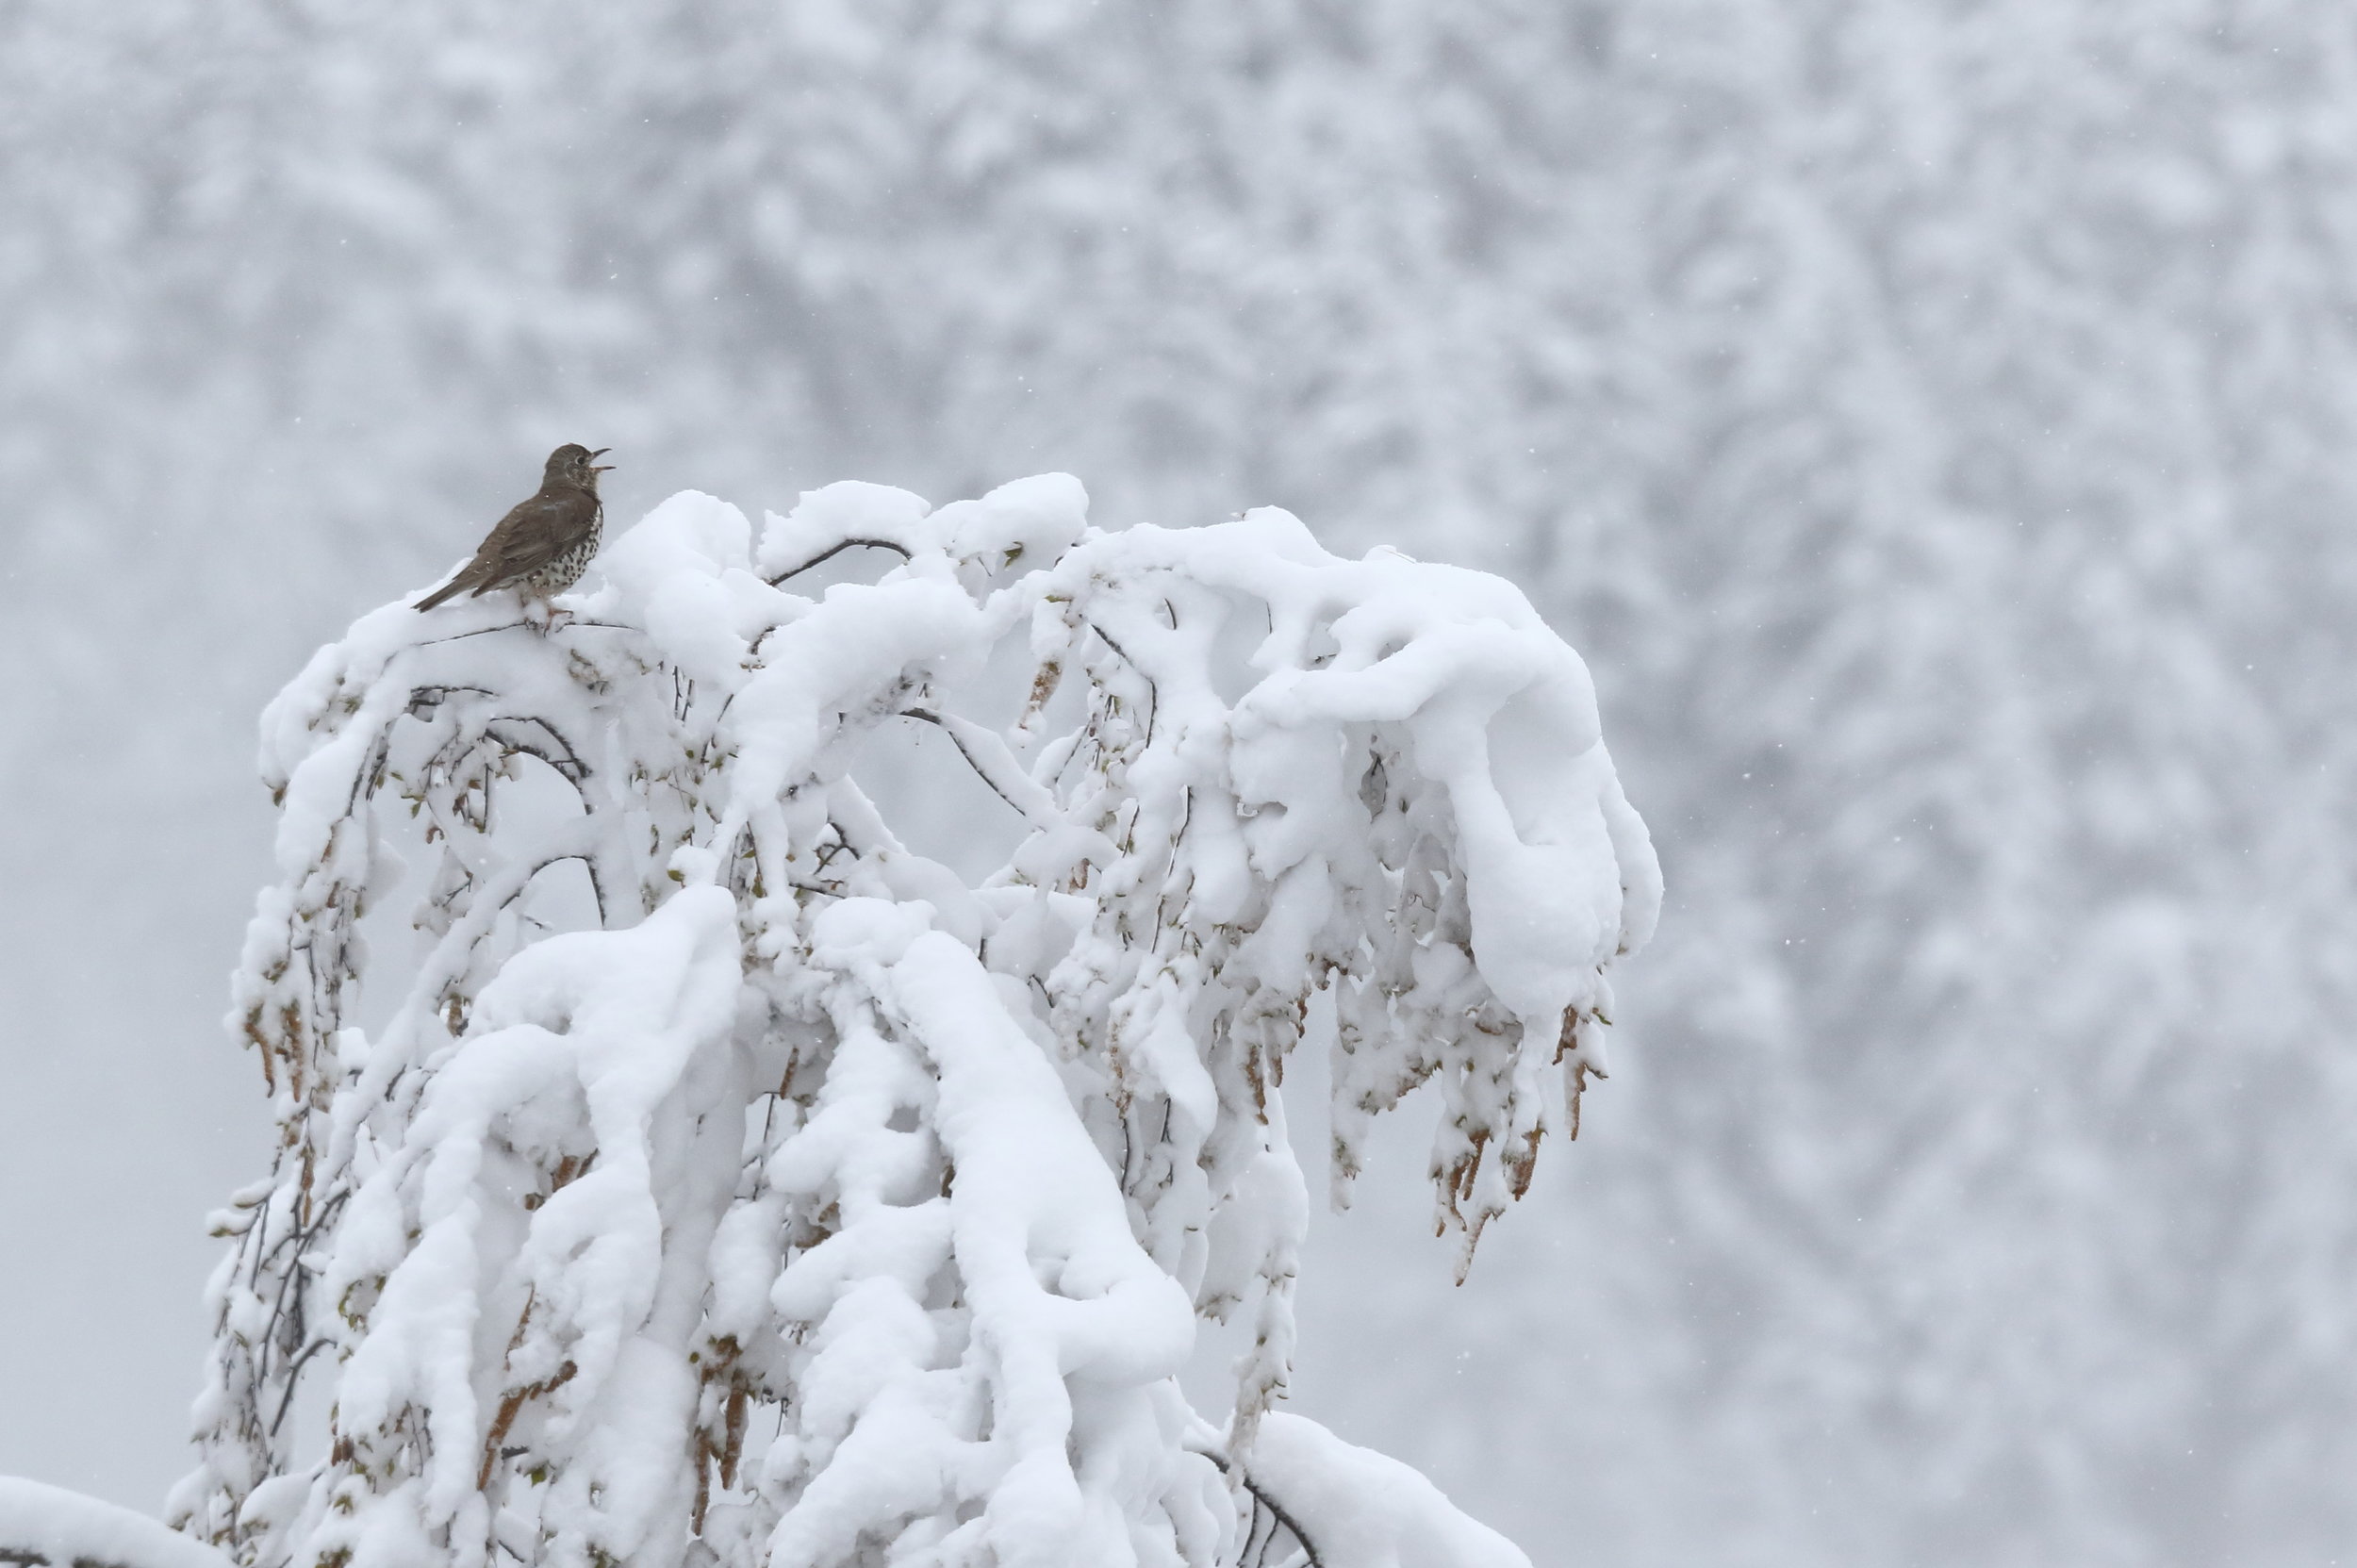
[543, 545]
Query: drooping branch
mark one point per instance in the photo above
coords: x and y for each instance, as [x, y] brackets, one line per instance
[986, 752]
[832, 552]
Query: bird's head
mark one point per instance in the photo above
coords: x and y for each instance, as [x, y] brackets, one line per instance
[574, 464]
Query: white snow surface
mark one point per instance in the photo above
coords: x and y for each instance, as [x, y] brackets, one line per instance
[723, 1175]
[1365, 1510]
[61, 1528]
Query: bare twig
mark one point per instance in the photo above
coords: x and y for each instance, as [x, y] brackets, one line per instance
[524, 625]
[1003, 773]
[1153, 692]
[1308, 1546]
[570, 767]
[294, 1377]
[1264, 1500]
[830, 553]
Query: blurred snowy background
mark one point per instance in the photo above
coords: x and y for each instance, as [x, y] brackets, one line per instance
[1934, 420]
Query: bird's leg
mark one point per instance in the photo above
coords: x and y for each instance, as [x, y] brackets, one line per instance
[538, 614]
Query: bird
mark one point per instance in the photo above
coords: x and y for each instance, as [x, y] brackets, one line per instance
[543, 545]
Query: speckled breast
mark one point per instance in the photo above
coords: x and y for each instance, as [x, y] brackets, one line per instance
[566, 569]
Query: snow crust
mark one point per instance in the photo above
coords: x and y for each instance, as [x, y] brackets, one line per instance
[724, 1178]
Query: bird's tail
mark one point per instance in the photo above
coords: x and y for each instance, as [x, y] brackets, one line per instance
[451, 589]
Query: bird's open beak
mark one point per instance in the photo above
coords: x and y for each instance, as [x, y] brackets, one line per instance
[602, 467]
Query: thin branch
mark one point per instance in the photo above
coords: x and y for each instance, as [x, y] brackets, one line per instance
[573, 769]
[1256, 1543]
[1153, 692]
[1115, 646]
[523, 884]
[830, 553]
[300, 1239]
[512, 625]
[431, 698]
[964, 751]
[294, 1377]
[1308, 1546]
[597, 887]
[1264, 1500]
[259, 1231]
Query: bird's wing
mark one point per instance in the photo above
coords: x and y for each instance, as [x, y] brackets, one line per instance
[535, 532]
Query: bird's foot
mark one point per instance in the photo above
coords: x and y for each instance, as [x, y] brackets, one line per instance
[543, 615]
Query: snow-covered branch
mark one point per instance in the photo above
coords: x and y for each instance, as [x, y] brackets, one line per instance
[721, 1174]
[47, 1527]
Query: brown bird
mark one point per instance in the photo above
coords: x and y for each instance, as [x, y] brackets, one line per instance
[543, 545]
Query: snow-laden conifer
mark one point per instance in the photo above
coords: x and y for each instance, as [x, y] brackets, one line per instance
[721, 1176]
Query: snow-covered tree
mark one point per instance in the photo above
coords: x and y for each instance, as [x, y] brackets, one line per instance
[724, 1174]
[1941, 418]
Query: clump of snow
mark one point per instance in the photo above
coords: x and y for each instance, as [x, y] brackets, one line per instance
[1364, 1509]
[723, 1172]
[47, 1527]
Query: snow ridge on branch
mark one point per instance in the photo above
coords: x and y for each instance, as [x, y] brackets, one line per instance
[723, 1177]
